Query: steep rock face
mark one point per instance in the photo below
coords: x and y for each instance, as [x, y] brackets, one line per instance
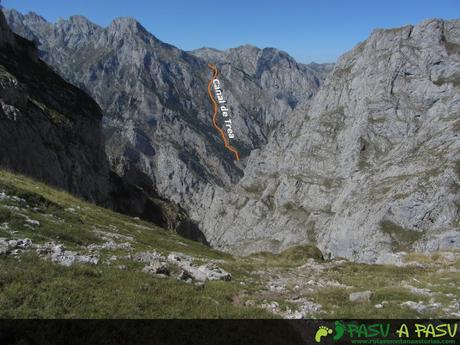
[49, 129]
[156, 108]
[371, 167]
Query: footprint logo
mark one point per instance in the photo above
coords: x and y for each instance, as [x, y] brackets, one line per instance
[322, 331]
[339, 330]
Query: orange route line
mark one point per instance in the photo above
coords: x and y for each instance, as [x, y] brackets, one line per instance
[227, 145]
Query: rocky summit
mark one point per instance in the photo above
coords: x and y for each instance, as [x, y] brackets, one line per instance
[360, 158]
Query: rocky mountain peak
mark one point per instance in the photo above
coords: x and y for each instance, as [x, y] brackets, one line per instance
[126, 25]
[77, 29]
[247, 48]
[34, 17]
[83, 23]
[208, 53]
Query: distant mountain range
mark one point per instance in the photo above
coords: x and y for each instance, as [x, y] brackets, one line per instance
[360, 158]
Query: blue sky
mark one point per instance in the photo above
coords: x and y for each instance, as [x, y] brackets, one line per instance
[317, 31]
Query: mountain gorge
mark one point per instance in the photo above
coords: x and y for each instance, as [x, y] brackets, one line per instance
[360, 158]
[372, 167]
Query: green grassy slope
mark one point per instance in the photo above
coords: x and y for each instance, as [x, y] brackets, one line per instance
[33, 287]
[263, 285]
